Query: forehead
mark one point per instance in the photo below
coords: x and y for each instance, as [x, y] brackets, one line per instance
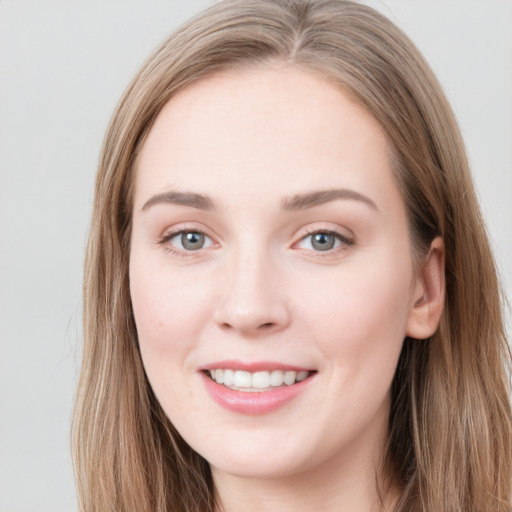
[262, 129]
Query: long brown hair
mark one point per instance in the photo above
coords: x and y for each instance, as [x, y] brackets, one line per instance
[450, 433]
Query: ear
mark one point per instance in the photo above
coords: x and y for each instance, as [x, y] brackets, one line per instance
[427, 299]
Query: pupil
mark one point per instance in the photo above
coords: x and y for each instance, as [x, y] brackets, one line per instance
[192, 241]
[323, 241]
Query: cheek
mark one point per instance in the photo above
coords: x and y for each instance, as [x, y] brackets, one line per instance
[362, 311]
[171, 307]
[166, 319]
[167, 322]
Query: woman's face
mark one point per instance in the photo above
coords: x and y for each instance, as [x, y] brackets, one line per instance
[270, 248]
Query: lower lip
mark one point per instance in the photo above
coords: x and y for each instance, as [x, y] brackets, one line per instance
[255, 402]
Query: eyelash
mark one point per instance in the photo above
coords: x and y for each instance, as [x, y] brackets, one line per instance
[345, 242]
[181, 253]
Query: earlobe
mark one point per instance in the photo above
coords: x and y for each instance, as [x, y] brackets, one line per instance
[427, 300]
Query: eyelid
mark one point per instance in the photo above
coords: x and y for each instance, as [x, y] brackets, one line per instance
[344, 235]
[179, 229]
[346, 240]
[181, 233]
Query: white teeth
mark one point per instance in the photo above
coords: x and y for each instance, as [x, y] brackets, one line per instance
[219, 376]
[302, 376]
[242, 379]
[229, 377]
[277, 378]
[261, 380]
[257, 380]
[289, 377]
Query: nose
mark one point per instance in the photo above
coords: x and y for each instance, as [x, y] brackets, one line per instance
[253, 299]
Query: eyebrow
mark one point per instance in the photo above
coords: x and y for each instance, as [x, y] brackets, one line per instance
[191, 199]
[312, 199]
[293, 203]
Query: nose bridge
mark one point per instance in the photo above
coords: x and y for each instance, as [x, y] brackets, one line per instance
[252, 300]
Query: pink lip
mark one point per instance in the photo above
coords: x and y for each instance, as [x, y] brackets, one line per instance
[252, 403]
[259, 366]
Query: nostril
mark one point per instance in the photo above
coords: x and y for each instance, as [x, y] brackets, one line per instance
[265, 326]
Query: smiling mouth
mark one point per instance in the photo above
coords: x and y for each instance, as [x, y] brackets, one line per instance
[240, 380]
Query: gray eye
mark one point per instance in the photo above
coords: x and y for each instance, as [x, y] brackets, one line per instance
[192, 240]
[323, 241]
[188, 241]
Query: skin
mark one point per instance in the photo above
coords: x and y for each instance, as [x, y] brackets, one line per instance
[258, 290]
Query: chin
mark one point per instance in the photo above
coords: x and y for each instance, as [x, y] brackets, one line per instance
[270, 467]
[259, 457]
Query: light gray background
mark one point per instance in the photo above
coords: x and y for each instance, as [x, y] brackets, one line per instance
[63, 66]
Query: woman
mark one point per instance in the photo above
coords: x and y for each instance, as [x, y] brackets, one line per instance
[290, 300]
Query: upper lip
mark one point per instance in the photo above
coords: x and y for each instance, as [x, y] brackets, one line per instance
[255, 366]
